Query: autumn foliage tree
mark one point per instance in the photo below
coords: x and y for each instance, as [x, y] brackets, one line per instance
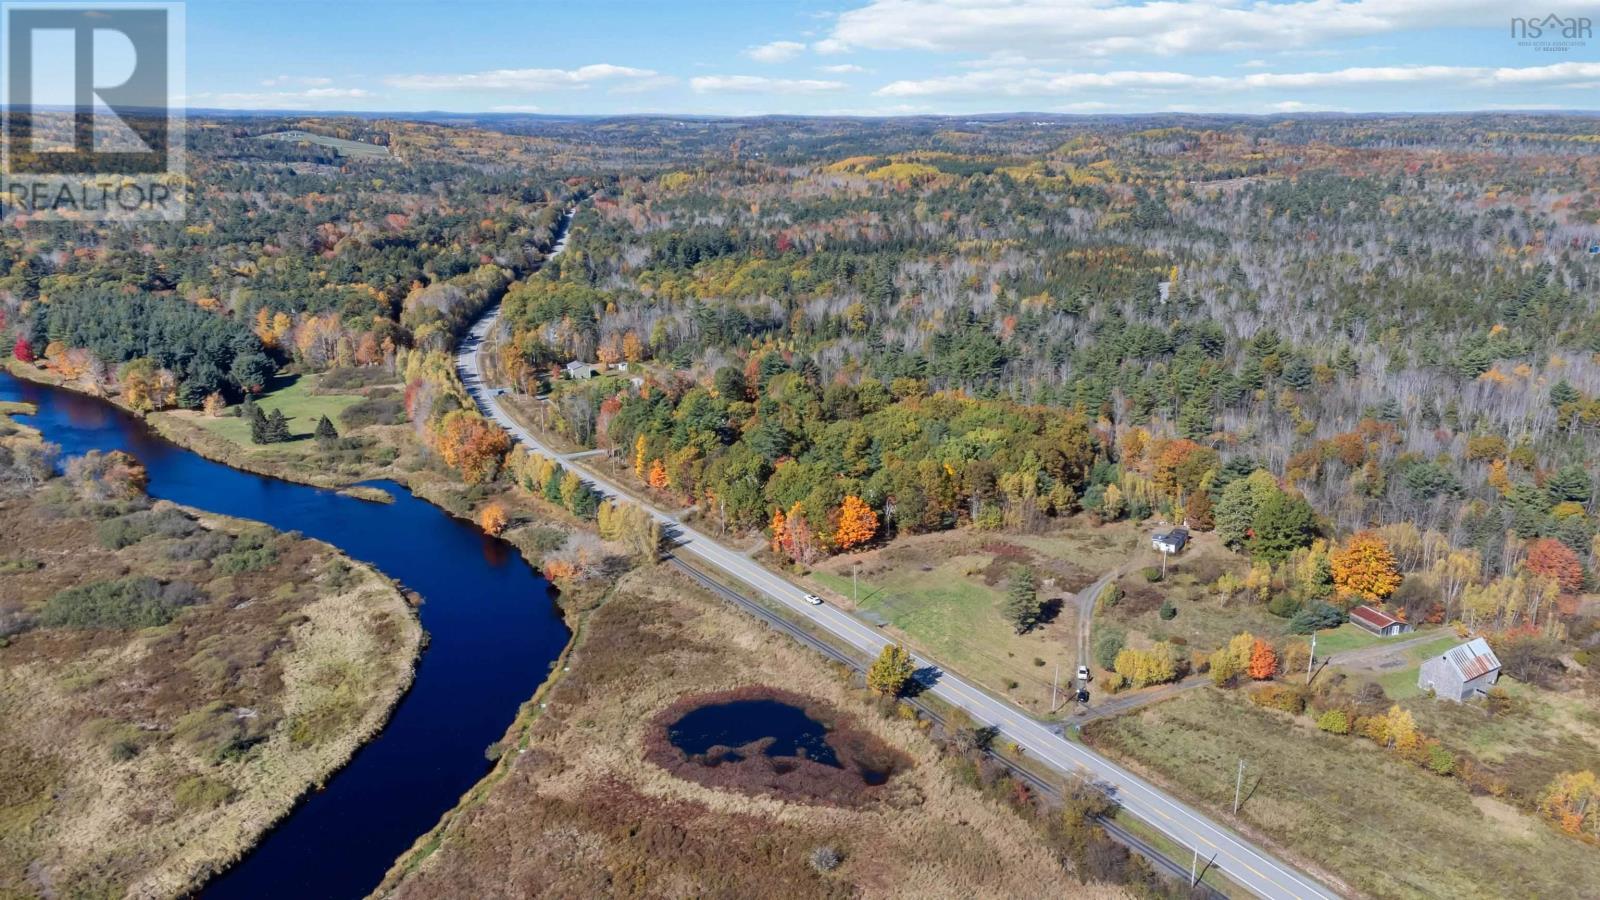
[1263, 661]
[472, 445]
[891, 671]
[493, 518]
[658, 475]
[1366, 567]
[1555, 560]
[22, 350]
[858, 524]
[1572, 803]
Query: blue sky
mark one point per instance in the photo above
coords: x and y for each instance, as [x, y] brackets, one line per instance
[887, 57]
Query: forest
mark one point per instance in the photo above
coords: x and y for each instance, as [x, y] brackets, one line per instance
[837, 331]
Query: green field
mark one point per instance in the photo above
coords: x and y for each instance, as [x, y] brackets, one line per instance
[302, 407]
[1387, 827]
[1347, 637]
[345, 148]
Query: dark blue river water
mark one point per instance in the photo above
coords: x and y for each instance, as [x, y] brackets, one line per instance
[493, 633]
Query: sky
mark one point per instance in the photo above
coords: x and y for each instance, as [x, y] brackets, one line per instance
[889, 57]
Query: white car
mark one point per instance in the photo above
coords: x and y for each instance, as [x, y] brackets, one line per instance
[1083, 674]
[813, 599]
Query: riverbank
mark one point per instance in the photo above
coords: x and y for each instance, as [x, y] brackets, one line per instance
[576, 808]
[141, 760]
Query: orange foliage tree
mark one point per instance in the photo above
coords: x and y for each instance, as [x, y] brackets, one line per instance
[1553, 559]
[1366, 567]
[493, 518]
[472, 445]
[658, 475]
[1263, 661]
[857, 523]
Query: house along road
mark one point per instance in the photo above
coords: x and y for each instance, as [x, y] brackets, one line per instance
[1242, 861]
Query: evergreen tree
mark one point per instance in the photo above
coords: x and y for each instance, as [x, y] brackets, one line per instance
[1283, 524]
[1569, 483]
[325, 432]
[277, 427]
[1022, 600]
[259, 431]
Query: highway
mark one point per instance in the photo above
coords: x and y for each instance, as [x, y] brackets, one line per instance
[1241, 860]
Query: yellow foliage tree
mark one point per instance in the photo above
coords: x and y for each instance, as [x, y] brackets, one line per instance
[1366, 567]
[1572, 803]
[493, 518]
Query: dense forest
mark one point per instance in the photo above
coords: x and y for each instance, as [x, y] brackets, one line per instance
[836, 331]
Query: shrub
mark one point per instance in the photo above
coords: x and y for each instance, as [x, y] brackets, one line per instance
[1316, 617]
[1286, 698]
[125, 531]
[1152, 574]
[205, 546]
[546, 539]
[1168, 611]
[1107, 644]
[135, 602]
[1284, 606]
[825, 859]
[1334, 721]
[198, 792]
[1440, 760]
[380, 408]
[251, 552]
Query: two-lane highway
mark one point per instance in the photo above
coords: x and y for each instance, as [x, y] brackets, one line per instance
[1242, 861]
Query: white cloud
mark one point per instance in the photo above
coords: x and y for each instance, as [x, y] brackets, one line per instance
[775, 52]
[755, 84]
[1161, 27]
[311, 98]
[1253, 64]
[1295, 106]
[1018, 82]
[308, 81]
[527, 80]
[842, 69]
[831, 47]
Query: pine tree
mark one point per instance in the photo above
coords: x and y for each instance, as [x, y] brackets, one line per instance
[325, 432]
[277, 427]
[1022, 600]
[260, 432]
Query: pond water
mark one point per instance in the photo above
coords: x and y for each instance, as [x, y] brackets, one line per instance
[738, 723]
[493, 634]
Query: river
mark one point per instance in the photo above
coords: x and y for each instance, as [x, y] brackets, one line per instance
[493, 634]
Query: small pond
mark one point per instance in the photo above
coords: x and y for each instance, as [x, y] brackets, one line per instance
[779, 728]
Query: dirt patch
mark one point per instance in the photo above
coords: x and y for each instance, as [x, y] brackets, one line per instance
[865, 763]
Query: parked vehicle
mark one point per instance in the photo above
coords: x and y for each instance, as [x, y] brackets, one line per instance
[1083, 674]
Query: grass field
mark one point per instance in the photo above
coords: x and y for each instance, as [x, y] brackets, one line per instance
[1387, 827]
[294, 395]
[345, 148]
[1347, 637]
[943, 594]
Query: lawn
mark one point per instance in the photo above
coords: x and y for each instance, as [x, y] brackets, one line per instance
[942, 594]
[294, 395]
[1385, 826]
[955, 618]
[1347, 637]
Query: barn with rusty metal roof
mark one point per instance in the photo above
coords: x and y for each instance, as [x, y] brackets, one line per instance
[1461, 673]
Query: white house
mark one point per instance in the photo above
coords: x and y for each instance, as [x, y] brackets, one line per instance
[1170, 541]
[578, 370]
[1462, 672]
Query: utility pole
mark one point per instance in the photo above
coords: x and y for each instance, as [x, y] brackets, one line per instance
[1312, 662]
[1238, 787]
[1053, 683]
[855, 585]
[1194, 868]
